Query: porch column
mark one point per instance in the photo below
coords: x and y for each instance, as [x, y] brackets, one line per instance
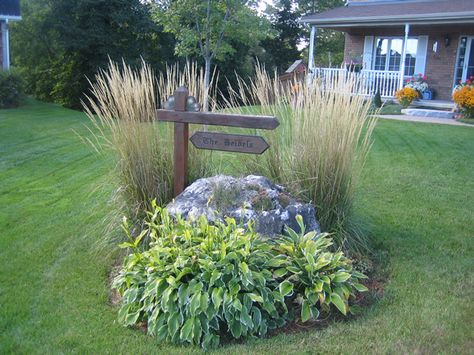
[402, 59]
[6, 45]
[312, 39]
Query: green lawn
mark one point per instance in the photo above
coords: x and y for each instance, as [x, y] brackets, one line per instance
[417, 195]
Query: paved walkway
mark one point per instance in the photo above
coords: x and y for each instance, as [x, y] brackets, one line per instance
[425, 120]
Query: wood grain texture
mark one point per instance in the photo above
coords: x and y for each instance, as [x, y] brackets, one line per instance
[218, 119]
[181, 137]
[229, 142]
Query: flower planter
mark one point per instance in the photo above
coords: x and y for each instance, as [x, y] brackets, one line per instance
[427, 95]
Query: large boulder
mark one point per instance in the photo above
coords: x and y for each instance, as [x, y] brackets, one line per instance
[251, 198]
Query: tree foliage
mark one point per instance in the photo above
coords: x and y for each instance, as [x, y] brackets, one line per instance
[61, 43]
[282, 50]
[210, 29]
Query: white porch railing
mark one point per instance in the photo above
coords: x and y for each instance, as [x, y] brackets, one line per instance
[366, 82]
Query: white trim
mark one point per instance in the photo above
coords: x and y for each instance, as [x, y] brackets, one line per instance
[421, 54]
[457, 17]
[11, 18]
[419, 51]
[469, 44]
[367, 56]
[5, 45]
[403, 56]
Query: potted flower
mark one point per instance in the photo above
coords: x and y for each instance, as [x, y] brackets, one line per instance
[406, 96]
[463, 96]
[420, 84]
[355, 65]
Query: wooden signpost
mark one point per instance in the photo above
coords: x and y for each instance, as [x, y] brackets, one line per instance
[178, 111]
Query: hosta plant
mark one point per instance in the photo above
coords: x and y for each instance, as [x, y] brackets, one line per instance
[315, 277]
[198, 282]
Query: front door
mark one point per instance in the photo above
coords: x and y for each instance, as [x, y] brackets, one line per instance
[465, 61]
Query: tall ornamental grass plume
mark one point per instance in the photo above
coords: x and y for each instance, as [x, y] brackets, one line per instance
[122, 107]
[319, 149]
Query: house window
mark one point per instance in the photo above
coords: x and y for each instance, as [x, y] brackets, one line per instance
[388, 54]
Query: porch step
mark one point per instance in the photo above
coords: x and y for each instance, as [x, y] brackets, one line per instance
[427, 113]
[437, 104]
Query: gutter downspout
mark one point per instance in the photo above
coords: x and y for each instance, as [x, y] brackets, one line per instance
[312, 38]
[402, 59]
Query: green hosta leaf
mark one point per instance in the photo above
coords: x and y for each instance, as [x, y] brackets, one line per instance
[204, 301]
[216, 297]
[237, 304]
[255, 298]
[195, 303]
[305, 312]
[132, 318]
[341, 276]
[286, 287]
[186, 333]
[359, 275]
[246, 319]
[360, 287]
[338, 302]
[280, 272]
[256, 316]
[216, 275]
[236, 329]
[174, 323]
[197, 330]
[318, 286]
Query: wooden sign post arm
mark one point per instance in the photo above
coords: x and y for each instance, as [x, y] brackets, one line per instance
[181, 136]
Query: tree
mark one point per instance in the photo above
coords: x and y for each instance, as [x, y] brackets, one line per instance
[329, 44]
[209, 28]
[282, 50]
[61, 43]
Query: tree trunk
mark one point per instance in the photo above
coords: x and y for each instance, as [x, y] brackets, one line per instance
[207, 79]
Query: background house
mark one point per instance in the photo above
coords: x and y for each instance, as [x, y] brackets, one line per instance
[395, 39]
[9, 11]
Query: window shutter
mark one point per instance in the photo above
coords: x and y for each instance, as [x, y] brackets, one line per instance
[421, 51]
[368, 50]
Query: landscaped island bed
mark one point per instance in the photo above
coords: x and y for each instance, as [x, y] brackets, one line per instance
[416, 196]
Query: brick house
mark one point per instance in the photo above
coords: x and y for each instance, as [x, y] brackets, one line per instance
[9, 11]
[435, 38]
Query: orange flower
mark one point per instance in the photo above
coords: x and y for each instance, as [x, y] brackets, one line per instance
[406, 95]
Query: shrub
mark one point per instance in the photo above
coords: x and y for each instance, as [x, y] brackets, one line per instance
[406, 96]
[11, 89]
[199, 282]
[463, 96]
[377, 100]
[320, 146]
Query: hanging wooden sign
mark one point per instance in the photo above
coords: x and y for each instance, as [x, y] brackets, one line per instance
[229, 142]
[182, 109]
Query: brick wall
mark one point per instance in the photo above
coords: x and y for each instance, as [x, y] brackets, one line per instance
[354, 47]
[440, 65]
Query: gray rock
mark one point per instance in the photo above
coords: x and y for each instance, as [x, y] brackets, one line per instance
[251, 198]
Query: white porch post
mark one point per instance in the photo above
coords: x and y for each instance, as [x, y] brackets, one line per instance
[402, 59]
[6, 45]
[312, 39]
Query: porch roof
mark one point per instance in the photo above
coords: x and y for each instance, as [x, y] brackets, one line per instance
[399, 13]
[10, 9]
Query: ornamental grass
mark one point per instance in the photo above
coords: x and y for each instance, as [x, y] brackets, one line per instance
[122, 108]
[320, 147]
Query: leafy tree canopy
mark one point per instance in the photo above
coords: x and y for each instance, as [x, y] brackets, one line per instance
[59, 43]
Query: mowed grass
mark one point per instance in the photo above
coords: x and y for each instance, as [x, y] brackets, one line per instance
[416, 195]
